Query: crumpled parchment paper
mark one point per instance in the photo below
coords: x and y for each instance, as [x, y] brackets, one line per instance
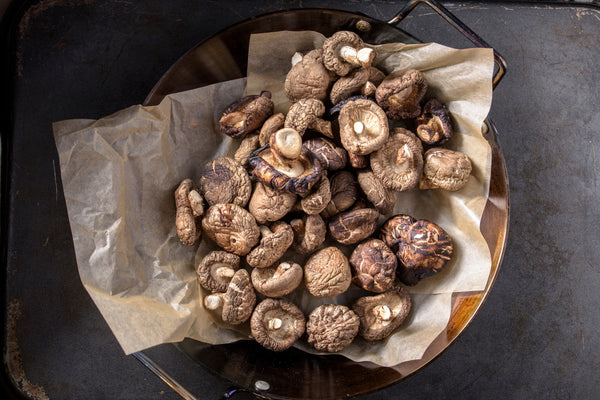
[119, 174]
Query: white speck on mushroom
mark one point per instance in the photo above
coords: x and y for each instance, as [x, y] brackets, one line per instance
[213, 302]
[359, 127]
[403, 158]
[296, 58]
[275, 324]
[382, 312]
[224, 271]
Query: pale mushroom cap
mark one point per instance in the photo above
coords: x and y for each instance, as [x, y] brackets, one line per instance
[327, 273]
[216, 270]
[363, 126]
[332, 327]
[445, 169]
[277, 280]
[277, 323]
[272, 246]
[286, 143]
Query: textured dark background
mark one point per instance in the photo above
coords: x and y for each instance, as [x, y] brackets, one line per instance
[535, 337]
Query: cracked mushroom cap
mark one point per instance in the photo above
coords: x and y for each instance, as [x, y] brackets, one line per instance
[332, 327]
[306, 114]
[399, 163]
[394, 230]
[381, 315]
[329, 155]
[373, 266]
[316, 200]
[309, 233]
[277, 280]
[327, 273]
[344, 193]
[445, 169]
[424, 251]
[382, 198]
[224, 180]
[433, 125]
[348, 85]
[276, 324]
[189, 210]
[231, 227]
[268, 204]
[308, 78]
[363, 126]
[345, 50]
[246, 115]
[285, 165]
[353, 226]
[272, 246]
[237, 302]
[401, 92]
[216, 270]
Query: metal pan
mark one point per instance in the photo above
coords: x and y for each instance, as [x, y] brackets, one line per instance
[293, 373]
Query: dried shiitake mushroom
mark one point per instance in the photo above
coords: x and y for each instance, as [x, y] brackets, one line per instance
[216, 270]
[275, 240]
[231, 227]
[400, 93]
[331, 327]
[225, 180]
[433, 125]
[329, 155]
[308, 78]
[349, 85]
[268, 204]
[277, 323]
[382, 198]
[382, 314]
[373, 266]
[353, 226]
[357, 161]
[237, 302]
[277, 280]
[344, 192]
[399, 163]
[344, 51]
[445, 169]
[327, 273]
[309, 233]
[189, 210]
[394, 230]
[363, 126]
[306, 114]
[246, 115]
[247, 146]
[284, 165]
[272, 124]
[316, 200]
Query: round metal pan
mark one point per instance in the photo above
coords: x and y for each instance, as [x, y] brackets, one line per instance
[293, 373]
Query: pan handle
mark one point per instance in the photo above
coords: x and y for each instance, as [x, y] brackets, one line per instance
[460, 26]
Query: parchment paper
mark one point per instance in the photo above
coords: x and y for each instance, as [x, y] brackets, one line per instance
[119, 174]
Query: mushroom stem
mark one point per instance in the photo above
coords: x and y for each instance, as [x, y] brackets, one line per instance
[382, 312]
[264, 231]
[225, 272]
[274, 324]
[213, 301]
[368, 89]
[363, 57]
[359, 127]
[403, 157]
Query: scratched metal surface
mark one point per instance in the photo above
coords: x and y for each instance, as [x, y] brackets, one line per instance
[535, 337]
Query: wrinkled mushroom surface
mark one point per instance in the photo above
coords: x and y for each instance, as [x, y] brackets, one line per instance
[345, 50]
[237, 302]
[329, 155]
[306, 114]
[382, 314]
[271, 125]
[382, 198]
[363, 126]
[225, 180]
[216, 270]
[277, 323]
[395, 229]
[246, 115]
[373, 266]
[277, 280]
[316, 200]
[399, 163]
[331, 327]
[231, 227]
[268, 204]
[353, 226]
[348, 85]
[327, 273]
[272, 246]
[308, 78]
[309, 233]
[189, 210]
[445, 169]
[433, 125]
[247, 146]
[400, 93]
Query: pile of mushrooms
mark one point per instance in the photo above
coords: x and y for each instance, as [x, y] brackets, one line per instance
[307, 201]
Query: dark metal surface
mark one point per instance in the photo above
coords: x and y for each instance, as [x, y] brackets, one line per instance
[536, 336]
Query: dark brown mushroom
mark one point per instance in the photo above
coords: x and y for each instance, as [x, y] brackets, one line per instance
[423, 251]
[348, 85]
[246, 115]
[216, 270]
[306, 114]
[373, 266]
[401, 92]
[353, 226]
[237, 302]
[382, 198]
[272, 124]
[309, 233]
[331, 327]
[231, 227]
[381, 315]
[276, 324]
[344, 192]
[225, 180]
[433, 125]
[445, 169]
[272, 246]
[277, 280]
[189, 211]
[284, 165]
[363, 127]
[345, 50]
[317, 199]
[268, 204]
[357, 161]
[329, 155]
[308, 78]
[399, 163]
[394, 230]
[327, 273]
